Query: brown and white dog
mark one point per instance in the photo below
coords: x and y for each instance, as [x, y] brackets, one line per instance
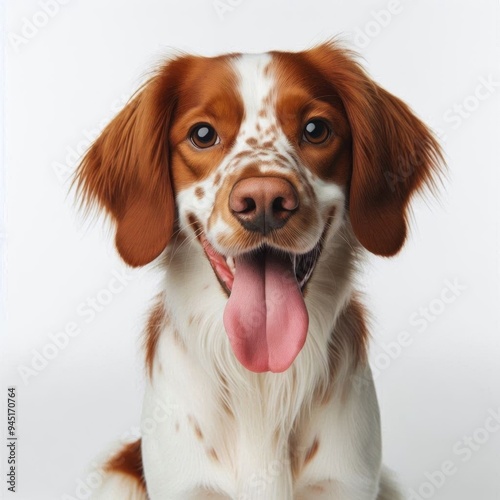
[257, 181]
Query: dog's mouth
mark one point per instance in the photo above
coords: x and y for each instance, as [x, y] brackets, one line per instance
[302, 265]
[266, 318]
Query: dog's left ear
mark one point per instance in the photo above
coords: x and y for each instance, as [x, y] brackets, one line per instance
[394, 153]
[126, 171]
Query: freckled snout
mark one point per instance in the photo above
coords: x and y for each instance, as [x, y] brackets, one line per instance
[263, 204]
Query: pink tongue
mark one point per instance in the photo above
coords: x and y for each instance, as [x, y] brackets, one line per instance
[266, 318]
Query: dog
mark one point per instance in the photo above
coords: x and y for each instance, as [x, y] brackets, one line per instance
[257, 182]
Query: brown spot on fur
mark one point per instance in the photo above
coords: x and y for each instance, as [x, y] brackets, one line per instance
[311, 452]
[352, 325]
[227, 409]
[331, 214]
[226, 396]
[242, 154]
[268, 144]
[252, 141]
[195, 225]
[198, 432]
[284, 159]
[199, 192]
[213, 455]
[157, 321]
[196, 428]
[272, 129]
[217, 178]
[298, 459]
[348, 340]
[179, 340]
[317, 488]
[294, 453]
[268, 101]
[128, 461]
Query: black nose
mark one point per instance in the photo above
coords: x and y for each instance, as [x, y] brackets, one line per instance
[263, 204]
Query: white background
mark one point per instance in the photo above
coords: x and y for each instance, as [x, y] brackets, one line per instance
[69, 76]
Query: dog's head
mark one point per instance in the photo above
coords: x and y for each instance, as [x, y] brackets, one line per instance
[263, 158]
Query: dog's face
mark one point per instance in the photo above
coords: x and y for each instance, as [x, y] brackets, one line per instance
[261, 155]
[262, 158]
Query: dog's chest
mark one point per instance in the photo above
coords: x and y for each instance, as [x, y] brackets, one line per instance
[257, 438]
[210, 423]
[198, 433]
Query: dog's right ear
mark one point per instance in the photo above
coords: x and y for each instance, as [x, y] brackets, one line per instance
[126, 171]
[394, 154]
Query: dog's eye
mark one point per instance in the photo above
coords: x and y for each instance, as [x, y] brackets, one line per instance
[203, 136]
[316, 131]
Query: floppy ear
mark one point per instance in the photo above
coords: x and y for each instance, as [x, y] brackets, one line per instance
[126, 172]
[394, 153]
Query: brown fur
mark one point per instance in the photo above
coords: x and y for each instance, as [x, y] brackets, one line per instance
[348, 340]
[158, 318]
[128, 461]
[311, 452]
